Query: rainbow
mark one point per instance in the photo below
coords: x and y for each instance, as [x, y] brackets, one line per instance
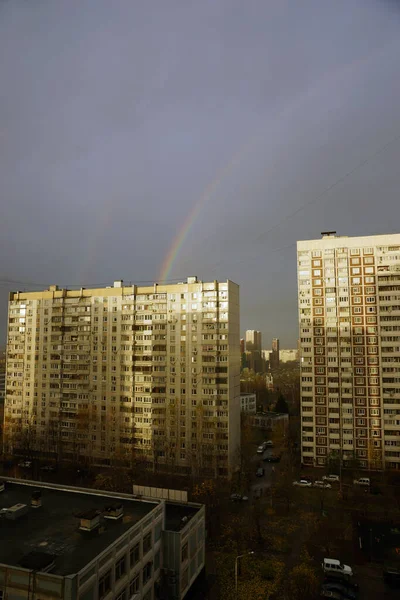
[180, 238]
[184, 231]
[105, 215]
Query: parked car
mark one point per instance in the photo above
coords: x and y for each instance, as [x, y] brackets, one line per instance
[303, 483]
[347, 583]
[82, 472]
[363, 481]
[25, 464]
[273, 458]
[332, 566]
[345, 592]
[332, 478]
[269, 443]
[391, 575]
[322, 485]
[49, 468]
[238, 498]
[260, 472]
[330, 594]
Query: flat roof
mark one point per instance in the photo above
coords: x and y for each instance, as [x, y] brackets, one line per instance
[270, 415]
[54, 527]
[178, 515]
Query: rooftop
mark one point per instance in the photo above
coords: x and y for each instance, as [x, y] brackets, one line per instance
[53, 528]
[271, 415]
[177, 515]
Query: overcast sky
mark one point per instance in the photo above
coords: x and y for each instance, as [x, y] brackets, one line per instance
[118, 117]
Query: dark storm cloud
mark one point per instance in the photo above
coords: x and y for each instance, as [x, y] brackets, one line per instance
[116, 118]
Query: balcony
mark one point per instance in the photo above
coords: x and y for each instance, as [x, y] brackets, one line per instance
[334, 446]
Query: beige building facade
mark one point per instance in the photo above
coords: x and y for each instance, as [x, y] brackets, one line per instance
[349, 316]
[143, 373]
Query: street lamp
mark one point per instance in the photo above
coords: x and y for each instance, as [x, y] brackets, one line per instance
[236, 568]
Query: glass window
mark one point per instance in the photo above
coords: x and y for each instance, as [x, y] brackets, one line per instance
[120, 568]
[134, 585]
[147, 542]
[185, 552]
[134, 555]
[147, 572]
[105, 584]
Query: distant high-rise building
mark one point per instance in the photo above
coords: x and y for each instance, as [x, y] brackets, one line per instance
[150, 371]
[253, 340]
[274, 356]
[253, 350]
[349, 314]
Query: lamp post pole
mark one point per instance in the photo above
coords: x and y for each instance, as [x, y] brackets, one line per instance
[236, 569]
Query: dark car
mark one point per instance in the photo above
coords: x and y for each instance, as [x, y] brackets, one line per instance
[238, 498]
[49, 468]
[82, 472]
[391, 575]
[343, 590]
[347, 583]
[260, 472]
[274, 458]
[330, 594]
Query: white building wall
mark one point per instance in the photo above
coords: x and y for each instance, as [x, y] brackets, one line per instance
[125, 371]
[349, 317]
[248, 403]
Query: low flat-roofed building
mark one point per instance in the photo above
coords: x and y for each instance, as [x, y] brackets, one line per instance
[64, 542]
[269, 421]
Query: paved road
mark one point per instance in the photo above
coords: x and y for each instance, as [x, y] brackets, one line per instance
[261, 484]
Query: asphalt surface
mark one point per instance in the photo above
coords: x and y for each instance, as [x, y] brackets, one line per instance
[261, 484]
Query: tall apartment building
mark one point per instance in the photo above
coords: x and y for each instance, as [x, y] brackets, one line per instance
[349, 313]
[148, 373]
[2, 389]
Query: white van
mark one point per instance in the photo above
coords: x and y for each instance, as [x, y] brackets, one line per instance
[365, 481]
[332, 566]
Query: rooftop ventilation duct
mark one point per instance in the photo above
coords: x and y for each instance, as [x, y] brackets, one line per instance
[114, 511]
[89, 520]
[36, 499]
[16, 512]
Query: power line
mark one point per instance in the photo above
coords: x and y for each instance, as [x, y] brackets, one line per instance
[329, 188]
[5, 281]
